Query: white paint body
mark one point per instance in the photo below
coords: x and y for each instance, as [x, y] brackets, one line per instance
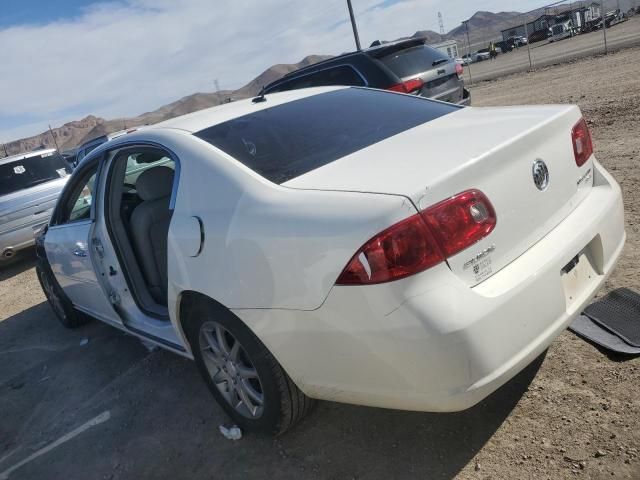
[441, 340]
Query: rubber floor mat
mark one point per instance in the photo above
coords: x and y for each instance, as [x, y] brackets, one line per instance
[584, 327]
[618, 312]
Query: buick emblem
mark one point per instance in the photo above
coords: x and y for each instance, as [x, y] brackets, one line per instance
[540, 175]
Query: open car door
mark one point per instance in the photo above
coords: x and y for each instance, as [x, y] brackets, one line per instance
[71, 247]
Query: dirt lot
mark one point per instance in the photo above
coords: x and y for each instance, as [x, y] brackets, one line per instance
[110, 409]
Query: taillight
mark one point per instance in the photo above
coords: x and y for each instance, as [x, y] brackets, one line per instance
[422, 241]
[410, 86]
[404, 249]
[582, 143]
[459, 70]
[460, 221]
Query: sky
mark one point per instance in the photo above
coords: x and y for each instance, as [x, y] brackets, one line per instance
[62, 60]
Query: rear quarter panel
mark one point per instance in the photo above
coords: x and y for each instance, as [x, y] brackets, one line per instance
[265, 246]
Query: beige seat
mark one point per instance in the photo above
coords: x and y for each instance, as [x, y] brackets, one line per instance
[150, 226]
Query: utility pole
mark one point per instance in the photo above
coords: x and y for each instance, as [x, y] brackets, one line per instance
[604, 27]
[54, 138]
[526, 35]
[441, 23]
[466, 24]
[354, 26]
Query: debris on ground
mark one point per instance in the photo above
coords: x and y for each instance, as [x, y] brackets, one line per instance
[231, 433]
[84, 341]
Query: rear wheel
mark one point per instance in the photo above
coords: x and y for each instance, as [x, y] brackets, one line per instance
[243, 376]
[60, 304]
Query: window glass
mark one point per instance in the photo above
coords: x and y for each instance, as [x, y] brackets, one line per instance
[29, 172]
[139, 162]
[288, 140]
[414, 60]
[81, 205]
[343, 75]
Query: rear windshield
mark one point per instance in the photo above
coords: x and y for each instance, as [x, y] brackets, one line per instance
[289, 140]
[32, 171]
[341, 75]
[411, 61]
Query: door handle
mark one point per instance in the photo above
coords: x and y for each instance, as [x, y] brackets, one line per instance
[80, 250]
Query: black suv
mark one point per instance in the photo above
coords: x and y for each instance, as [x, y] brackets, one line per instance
[407, 66]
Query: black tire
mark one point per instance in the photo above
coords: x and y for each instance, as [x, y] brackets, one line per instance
[59, 302]
[284, 404]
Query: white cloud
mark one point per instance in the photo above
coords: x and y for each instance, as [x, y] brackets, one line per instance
[120, 59]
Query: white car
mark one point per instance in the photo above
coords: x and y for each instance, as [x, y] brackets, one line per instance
[481, 56]
[344, 244]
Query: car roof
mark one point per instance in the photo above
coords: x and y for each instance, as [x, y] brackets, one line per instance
[196, 121]
[375, 51]
[99, 140]
[22, 156]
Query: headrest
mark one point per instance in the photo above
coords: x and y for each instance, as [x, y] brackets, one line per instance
[157, 182]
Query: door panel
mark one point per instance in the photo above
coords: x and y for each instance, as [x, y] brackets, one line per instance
[68, 245]
[69, 252]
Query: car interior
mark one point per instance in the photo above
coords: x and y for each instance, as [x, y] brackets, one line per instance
[140, 185]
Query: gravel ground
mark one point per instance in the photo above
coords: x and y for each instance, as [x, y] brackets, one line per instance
[581, 402]
[573, 413]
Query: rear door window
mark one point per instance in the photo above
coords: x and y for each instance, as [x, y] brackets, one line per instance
[32, 171]
[413, 61]
[139, 162]
[341, 75]
[289, 140]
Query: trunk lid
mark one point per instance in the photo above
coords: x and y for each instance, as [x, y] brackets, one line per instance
[490, 149]
[434, 68]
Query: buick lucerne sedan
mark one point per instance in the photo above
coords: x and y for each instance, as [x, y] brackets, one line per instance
[346, 244]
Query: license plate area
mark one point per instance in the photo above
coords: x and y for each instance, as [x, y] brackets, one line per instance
[577, 276]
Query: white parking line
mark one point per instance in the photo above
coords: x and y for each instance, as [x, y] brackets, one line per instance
[103, 417]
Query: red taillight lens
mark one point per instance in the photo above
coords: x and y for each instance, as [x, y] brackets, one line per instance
[422, 241]
[459, 70]
[460, 221]
[582, 143]
[410, 86]
[401, 250]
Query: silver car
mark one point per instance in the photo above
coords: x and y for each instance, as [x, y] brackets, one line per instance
[29, 188]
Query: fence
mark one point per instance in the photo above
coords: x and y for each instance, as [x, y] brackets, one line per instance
[554, 33]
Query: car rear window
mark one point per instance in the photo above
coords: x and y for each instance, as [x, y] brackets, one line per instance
[414, 60]
[32, 171]
[286, 141]
[340, 75]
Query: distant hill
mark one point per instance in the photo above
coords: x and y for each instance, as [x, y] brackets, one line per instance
[74, 133]
[483, 26]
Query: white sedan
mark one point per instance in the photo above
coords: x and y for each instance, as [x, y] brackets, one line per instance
[344, 244]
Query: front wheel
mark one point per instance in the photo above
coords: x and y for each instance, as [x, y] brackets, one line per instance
[243, 376]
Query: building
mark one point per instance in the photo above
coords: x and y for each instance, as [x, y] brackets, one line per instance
[535, 31]
[450, 48]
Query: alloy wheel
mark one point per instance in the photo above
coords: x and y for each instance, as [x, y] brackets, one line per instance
[231, 370]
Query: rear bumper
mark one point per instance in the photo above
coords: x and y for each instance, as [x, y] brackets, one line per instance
[430, 342]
